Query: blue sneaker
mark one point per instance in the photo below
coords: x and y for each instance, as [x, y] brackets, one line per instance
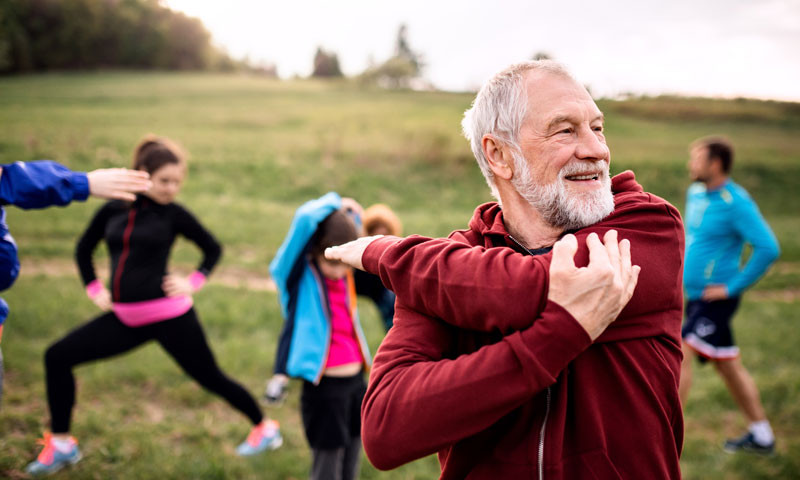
[51, 459]
[747, 443]
[264, 436]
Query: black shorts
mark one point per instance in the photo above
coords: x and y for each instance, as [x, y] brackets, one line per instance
[707, 328]
[332, 411]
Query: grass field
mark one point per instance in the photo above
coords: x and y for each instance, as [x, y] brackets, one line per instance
[261, 147]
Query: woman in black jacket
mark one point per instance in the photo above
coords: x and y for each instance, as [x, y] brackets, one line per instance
[142, 303]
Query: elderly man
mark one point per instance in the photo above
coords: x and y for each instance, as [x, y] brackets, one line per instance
[503, 358]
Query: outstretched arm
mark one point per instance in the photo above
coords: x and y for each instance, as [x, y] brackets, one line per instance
[43, 183]
[498, 289]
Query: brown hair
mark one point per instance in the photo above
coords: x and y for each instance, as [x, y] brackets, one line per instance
[380, 215]
[719, 148]
[336, 229]
[154, 152]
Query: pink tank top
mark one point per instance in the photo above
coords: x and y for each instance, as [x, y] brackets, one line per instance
[344, 347]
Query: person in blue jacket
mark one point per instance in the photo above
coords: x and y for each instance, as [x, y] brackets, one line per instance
[720, 219]
[322, 342]
[44, 183]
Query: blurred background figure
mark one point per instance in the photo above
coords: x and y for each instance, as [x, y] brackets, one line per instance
[322, 342]
[379, 219]
[44, 183]
[721, 219]
[142, 303]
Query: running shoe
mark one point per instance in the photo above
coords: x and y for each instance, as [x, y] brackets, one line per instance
[747, 443]
[264, 436]
[277, 390]
[51, 459]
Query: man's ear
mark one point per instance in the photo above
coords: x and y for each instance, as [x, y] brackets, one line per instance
[715, 165]
[498, 154]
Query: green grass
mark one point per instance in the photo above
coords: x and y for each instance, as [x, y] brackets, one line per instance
[258, 149]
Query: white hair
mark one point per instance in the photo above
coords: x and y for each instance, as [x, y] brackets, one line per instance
[500, 108]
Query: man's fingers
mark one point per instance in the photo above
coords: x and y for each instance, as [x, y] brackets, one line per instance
[128, 197]
[612, 249]
[633, 281]
[598, 256]
[351, 252]
[564, 253]
[625, 259]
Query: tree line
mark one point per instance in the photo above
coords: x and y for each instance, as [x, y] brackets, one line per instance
[38, 35]
[42, 35]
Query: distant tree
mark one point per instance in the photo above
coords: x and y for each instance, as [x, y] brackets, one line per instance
[401, 69]
[541, 56]
[326, 64]
[403, 50]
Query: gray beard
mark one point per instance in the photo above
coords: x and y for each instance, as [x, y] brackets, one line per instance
[556, 206]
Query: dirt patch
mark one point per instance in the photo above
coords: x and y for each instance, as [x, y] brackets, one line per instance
[234, 277]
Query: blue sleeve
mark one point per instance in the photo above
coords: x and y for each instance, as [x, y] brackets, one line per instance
[752, 227]
[304, 224]
[9, 261]
[41, 184]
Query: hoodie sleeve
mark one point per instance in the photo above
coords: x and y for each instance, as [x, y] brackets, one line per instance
[304, 223]
[41, 184]
[468, 286]
[498, 289]
[420, 400]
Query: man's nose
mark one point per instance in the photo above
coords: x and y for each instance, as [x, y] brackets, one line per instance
[590, 146]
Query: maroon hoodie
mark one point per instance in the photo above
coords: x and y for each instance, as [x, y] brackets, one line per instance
[502, 383]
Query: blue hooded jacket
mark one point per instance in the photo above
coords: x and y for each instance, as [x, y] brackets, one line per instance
[306, 335]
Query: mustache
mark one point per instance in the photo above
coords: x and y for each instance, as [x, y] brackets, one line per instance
[584, 167]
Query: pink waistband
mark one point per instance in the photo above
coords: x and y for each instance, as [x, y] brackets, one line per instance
[138, 314]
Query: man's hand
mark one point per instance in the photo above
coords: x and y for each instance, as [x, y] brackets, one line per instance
[102, 299]
[176, 285]
[351, 252]
[713, 293]
[594, 294]
[118, 183]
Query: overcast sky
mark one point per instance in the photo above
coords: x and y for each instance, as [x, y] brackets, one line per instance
[694, 47]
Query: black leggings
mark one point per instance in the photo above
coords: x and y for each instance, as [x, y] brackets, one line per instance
[105, 336]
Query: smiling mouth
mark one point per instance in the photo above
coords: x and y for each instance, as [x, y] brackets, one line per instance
[583, 177]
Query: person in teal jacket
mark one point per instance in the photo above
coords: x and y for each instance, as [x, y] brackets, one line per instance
[721, 219]
[322, 341]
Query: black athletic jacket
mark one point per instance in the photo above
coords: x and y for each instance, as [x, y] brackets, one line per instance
[139, 237]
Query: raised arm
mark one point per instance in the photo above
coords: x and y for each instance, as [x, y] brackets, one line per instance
[498, 289]
[43, 183]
